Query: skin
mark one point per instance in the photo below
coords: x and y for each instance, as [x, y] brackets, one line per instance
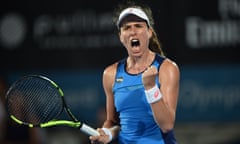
[139, 60]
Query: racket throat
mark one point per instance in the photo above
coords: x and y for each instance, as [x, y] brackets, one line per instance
[61, 123]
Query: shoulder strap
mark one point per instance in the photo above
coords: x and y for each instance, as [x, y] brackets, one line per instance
[158, 61]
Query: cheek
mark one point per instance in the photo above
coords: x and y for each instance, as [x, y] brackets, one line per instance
[123, 38]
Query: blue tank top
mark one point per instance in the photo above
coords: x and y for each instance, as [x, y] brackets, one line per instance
[136, 118]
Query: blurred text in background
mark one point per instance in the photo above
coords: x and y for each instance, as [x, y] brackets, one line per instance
[72, 41]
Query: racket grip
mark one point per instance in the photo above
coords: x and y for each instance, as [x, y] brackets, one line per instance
[89, 130]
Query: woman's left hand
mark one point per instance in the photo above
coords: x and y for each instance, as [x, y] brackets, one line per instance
[149, 76]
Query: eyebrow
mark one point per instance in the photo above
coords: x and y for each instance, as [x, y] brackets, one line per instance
[135, 23]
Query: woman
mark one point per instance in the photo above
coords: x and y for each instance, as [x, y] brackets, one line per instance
[142, 89]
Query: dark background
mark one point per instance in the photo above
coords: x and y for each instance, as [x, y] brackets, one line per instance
[72, 41]
[170, 23]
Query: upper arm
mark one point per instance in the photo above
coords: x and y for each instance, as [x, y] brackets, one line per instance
[108, 81]
[169, 76]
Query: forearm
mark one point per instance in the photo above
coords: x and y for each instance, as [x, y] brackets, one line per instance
[163, 115]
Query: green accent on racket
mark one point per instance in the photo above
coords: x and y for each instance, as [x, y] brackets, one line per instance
[37, 101]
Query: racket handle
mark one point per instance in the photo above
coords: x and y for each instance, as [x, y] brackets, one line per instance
[89, 130]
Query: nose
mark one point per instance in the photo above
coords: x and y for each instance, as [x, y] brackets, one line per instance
[132, 31]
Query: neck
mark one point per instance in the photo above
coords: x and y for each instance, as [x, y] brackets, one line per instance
[139, 64]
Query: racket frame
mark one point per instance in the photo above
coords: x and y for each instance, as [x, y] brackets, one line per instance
[75, 123]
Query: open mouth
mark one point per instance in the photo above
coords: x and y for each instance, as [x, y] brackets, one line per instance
[135, 42]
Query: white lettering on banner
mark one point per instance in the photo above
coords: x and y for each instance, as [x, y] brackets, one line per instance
[193, 94]
[84, 29]
[78, 41]
[201, 33]
[12, 30]
[229, 8]
[80, 22]
[78, 30]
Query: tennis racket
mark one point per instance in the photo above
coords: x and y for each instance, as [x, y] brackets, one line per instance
[37, 101]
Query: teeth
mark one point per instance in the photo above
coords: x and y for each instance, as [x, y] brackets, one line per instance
[135, 42]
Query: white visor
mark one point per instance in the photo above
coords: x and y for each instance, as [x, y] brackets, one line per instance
[134, 11]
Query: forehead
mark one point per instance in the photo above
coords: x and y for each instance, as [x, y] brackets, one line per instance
[131, 18]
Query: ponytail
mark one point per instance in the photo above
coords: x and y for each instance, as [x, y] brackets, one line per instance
[154, 44]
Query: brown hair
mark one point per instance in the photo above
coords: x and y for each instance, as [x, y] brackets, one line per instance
[154, 44]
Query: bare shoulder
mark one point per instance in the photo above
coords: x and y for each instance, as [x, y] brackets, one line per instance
[169, 64]
[169, 68]
[110, 70]
[109, 74]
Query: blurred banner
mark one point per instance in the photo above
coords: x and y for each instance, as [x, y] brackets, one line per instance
[212, 31]
[57, 34]
[72, 41]
[207, 93]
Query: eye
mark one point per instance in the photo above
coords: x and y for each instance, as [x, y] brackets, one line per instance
[139, 25]
[125, 27]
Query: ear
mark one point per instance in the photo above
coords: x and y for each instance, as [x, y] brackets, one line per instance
[120, 37]
[150, 32]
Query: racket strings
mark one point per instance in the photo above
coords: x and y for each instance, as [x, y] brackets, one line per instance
[34, 100]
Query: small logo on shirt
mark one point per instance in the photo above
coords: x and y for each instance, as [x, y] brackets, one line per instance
[119, 79]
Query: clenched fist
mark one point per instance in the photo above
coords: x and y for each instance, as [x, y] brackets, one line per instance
[149, 76]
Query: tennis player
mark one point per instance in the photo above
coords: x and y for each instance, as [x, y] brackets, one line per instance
[141, 89]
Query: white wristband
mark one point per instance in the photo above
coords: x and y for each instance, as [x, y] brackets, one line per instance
[108, 132]
[153, 95]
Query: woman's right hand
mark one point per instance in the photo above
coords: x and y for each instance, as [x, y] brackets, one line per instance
[102, 138]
